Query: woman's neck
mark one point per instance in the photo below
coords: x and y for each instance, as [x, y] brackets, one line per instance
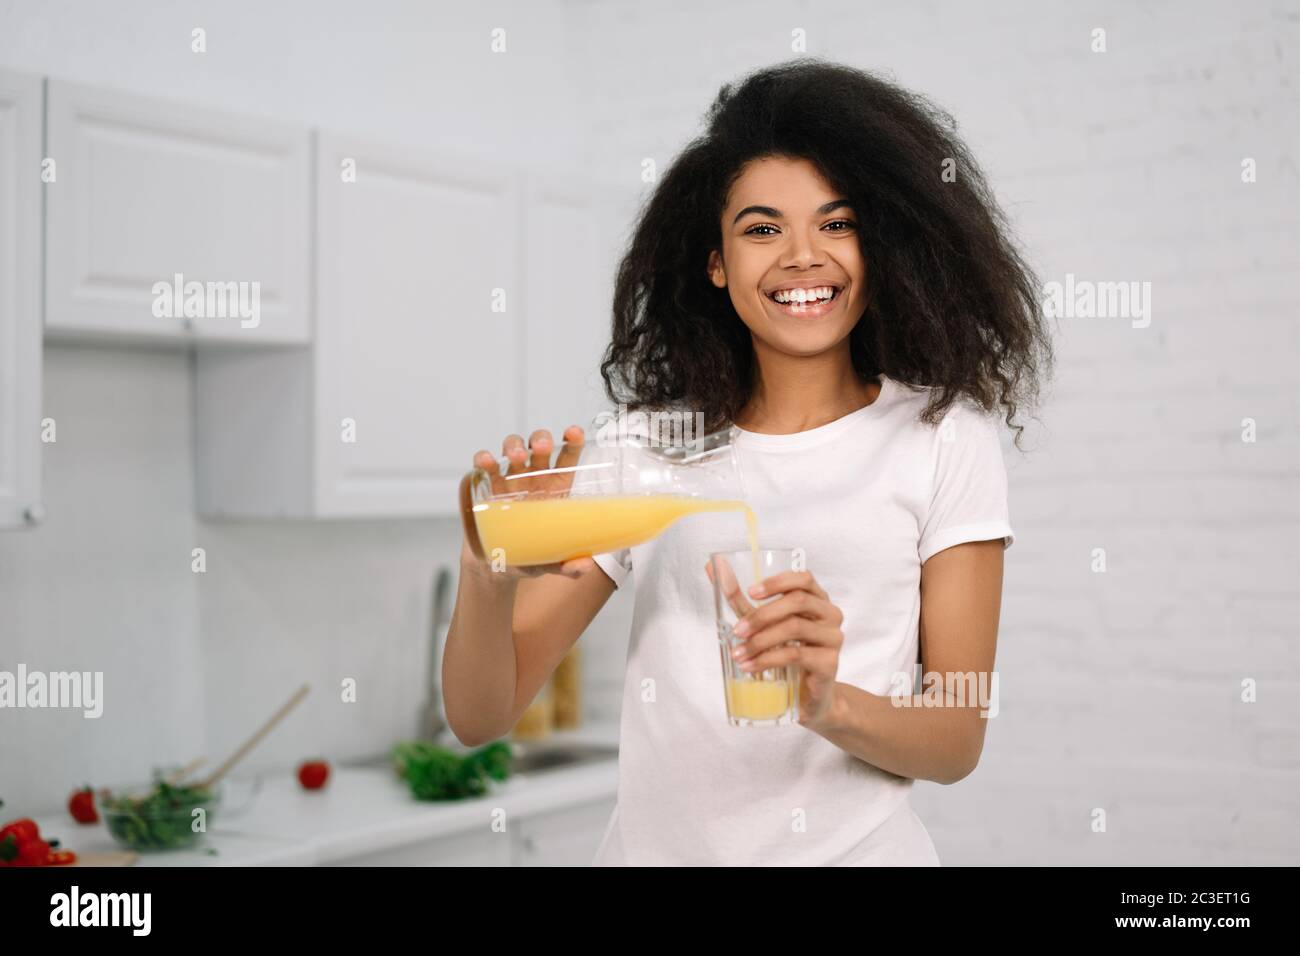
[795, 393]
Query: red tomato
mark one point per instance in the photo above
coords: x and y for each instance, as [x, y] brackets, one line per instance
[312, 774]
[82, 806]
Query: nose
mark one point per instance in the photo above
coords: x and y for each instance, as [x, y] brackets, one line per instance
[801, 251]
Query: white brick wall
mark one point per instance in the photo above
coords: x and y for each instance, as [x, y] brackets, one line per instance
[1118, 690]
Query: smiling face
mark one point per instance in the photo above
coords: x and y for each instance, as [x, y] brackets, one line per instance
[788, 241]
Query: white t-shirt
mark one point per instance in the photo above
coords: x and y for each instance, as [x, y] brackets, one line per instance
[869, 497]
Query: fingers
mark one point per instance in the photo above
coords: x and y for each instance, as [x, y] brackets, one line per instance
[571, 450]
[541, 444]
[790, 580]
[779, 643]
[519, 458]
[484, 459]
[779, 656]
[822, 661]
[522, 459]
[793, 604]
[792, 628]
[513, 450]
[577, 567]
[729, 586]
[537, 570]
[573, 568]
[535, 455]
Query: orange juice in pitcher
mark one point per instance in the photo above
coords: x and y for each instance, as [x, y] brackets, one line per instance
[617, 496]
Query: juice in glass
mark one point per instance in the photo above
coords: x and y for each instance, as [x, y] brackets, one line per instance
[753, 698]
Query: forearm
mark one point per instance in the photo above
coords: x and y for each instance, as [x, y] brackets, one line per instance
[939, 743]
[479, 671]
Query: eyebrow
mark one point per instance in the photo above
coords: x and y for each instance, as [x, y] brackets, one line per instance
[777, 214]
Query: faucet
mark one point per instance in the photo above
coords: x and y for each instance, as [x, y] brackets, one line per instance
[433, 723]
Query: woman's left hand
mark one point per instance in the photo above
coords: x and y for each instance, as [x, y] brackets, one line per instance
[800, 627]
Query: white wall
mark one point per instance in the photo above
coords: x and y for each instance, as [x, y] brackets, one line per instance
[104, 583]
[399, 70]
[1119, 691]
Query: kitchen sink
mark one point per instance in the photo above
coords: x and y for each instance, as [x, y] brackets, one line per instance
[367, 763]
[537, 756]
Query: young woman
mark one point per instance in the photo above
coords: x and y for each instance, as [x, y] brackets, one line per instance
[866, 438]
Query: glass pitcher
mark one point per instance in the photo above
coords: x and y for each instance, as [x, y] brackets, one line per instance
[627, 487]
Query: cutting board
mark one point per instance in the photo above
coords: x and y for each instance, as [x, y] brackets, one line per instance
[106, 858]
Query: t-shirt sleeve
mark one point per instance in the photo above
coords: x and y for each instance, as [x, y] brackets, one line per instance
[617, 565]
[968, 492]
[592, 477]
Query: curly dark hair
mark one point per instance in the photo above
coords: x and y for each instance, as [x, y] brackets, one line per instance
[951, 304]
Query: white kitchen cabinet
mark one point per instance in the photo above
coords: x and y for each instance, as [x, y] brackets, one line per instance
[410, 364]
[574, 234]
[412, 368]
[20, 299]
[414, 256]
[568, 837]
[150, 195]
[457, 301]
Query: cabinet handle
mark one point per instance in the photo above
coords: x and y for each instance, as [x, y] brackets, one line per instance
[34, 513]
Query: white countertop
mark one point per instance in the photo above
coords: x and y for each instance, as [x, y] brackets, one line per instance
[359, 811]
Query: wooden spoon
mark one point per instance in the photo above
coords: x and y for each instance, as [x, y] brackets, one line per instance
[176, 778]
[252, 741]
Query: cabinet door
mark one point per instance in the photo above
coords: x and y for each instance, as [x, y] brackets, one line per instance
[574, 234]
[567, 837]
[151, 198]
[20, 300]
[415, 367]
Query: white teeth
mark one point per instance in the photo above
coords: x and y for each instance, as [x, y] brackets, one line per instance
[795, 296]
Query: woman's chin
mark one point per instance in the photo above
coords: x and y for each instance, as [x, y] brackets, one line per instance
[806, 342]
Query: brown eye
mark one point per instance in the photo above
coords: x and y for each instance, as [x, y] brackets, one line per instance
[762, 225]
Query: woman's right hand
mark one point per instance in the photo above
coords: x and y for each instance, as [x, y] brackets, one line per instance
[536, 457]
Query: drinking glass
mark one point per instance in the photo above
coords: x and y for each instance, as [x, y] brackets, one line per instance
[767, 698]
